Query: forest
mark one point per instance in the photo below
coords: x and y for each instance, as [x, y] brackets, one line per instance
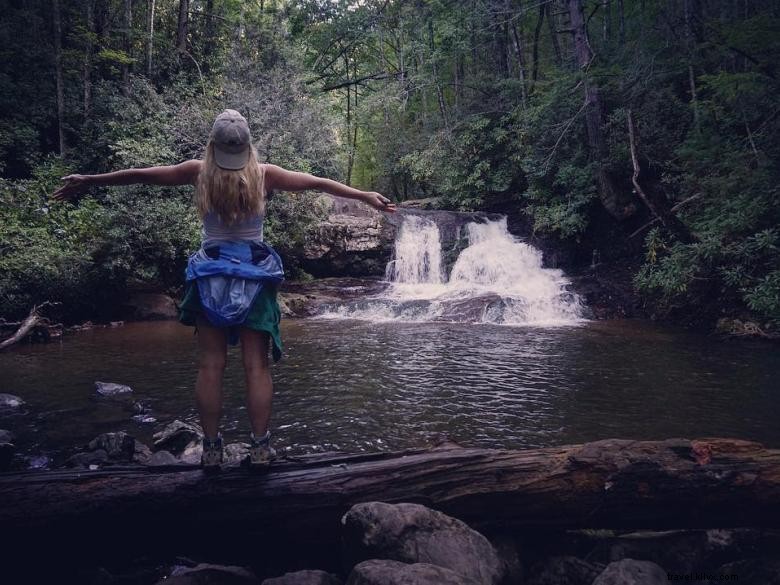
[631, 131]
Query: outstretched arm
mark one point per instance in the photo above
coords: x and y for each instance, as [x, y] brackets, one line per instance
[182, 174]
[279, 178]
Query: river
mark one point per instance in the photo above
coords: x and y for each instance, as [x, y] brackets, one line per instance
[361, 386]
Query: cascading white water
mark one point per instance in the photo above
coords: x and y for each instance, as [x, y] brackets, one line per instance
[417, 253]
[496, 279]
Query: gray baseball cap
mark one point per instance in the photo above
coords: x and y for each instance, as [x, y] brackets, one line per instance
[232, 140]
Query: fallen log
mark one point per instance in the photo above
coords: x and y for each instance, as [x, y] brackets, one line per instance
[676, 483]
[31, 322]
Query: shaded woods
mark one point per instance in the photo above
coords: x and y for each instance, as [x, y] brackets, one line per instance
[628, 130]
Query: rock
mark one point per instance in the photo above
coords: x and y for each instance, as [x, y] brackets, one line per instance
[10, 402]
[6, 436]
[177, 436]
[192, 453]
[564, 571]
[348, 245]
[7, 451]
[111, 388]
[386, 572]
[88, 458]
[160, 458]
[412, 533]
[38, 462]
[631, 572]
[150, 306]
[117, 445]
[307, 298]
[235, 452]
[144, 419]
[141, 453]
[761, 570]
[307, 577]
[206, 574]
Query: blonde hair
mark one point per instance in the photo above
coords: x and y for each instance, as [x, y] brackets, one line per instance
[234, 196]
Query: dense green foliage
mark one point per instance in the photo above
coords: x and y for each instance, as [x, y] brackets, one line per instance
[483, 104]
[491, 100]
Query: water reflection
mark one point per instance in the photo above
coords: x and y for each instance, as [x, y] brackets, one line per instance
[357, 385]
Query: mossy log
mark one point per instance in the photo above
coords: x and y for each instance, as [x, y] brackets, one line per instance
[676, 483]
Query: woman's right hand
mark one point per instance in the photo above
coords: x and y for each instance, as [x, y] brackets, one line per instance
[74, 185]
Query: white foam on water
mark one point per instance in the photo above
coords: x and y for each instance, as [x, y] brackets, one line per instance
[496, 279]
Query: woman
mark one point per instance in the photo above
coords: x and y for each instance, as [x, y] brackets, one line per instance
[231, 194]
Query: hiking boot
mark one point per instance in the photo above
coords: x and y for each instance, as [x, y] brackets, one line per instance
[260, 451]
[213, 455]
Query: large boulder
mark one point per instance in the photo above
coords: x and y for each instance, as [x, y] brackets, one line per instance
[386, 572]
[412, 533]
[306, 577]
[178, 437]
[631, 572]
[753, 570]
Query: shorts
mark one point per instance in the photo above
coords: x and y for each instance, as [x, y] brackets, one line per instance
[264, 315]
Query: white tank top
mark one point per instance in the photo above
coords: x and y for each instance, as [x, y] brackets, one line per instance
[214, 230]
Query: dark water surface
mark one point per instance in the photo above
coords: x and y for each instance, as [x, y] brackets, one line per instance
[358, 386]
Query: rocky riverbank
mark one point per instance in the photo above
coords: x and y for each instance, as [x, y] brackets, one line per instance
[401, 543]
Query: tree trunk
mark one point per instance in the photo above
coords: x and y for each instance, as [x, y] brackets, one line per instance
[554, 35]
[57, 20]
[182, 26]
[519, 52]
[611, 198]
[655, 202]
[87, 75]
[150, 41]
[537, 34]
[128, 19]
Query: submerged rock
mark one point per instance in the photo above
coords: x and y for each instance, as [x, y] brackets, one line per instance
[412, 533]
[387, 572]
[10, 402]
[307, 577]
[631, 572]
[6, 436]
[111, 388]
[177, 437]
[206, 574]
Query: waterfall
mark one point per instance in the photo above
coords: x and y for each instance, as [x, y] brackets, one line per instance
[417, 257]
[495, 279]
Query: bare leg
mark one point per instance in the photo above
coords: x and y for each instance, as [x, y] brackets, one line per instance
[259, 388]
[212, 346]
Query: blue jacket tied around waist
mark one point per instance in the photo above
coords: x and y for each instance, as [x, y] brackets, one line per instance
[230, 275]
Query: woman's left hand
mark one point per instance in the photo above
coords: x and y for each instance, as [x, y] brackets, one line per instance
[379, 201]
[74, 185]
